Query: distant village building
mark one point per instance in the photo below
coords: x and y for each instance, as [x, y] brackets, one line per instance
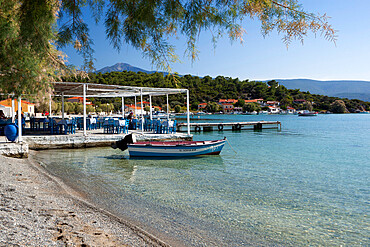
[132, 107]
[27, 107]
[290, 110]
[79, 100]
[238, 109]
[228, 101]
[273, 109]
[273, 103]
[227, 107]
[258, 101]
[145, 103]
[202, 106]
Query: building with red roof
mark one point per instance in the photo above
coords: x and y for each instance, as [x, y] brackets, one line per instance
[79, 100]
[27, 107]
[202, 106]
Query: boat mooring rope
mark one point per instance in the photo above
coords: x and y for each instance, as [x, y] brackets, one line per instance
[230, 145]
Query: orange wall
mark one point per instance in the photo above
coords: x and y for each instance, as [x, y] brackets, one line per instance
[8, 102]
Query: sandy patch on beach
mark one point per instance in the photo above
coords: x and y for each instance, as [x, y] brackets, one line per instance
[38, 210]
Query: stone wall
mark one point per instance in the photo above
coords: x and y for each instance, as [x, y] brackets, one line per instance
[17, 150]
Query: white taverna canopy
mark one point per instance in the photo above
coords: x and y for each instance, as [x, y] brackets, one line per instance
[77, 89]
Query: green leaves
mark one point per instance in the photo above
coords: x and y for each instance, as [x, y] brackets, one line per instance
[30, 31]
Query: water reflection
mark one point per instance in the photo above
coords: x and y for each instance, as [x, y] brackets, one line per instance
[305, 185]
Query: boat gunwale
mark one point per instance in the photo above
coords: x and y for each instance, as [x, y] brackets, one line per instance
[176, 143]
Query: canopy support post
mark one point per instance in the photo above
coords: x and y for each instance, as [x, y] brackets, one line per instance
[135, 107]
[13, 111]
[123, 107]
[187, 110]
[142, 112]
[19, 119]
[150, 106]
[84, 102]
[63, 106]
[168, 116]
[50, 105]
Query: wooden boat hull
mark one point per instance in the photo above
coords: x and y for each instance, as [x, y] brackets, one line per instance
[175, 149]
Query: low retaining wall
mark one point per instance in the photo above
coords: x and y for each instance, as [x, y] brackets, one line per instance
[17, 150]
[80, 141]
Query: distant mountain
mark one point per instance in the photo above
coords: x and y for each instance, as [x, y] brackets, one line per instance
[342, 89]
[119, 67]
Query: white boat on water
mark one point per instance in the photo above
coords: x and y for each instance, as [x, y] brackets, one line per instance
[169, 148]
[307, 113]
[251, 113]
[163, 115]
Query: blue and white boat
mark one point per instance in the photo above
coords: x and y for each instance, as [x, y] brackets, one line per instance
[169, 148]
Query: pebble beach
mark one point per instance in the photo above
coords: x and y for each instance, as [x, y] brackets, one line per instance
[37, 209]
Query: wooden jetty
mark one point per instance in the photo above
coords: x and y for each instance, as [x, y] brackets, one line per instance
[256, 125]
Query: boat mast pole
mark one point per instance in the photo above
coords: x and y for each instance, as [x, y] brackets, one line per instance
[187, 109]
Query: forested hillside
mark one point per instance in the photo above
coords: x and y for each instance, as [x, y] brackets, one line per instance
[209, 89]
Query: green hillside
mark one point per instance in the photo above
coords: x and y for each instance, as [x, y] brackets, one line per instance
[207, 89]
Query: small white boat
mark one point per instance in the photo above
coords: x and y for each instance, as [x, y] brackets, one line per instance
[169, 148]
[163, 115]
[251, 113]
[308, 114]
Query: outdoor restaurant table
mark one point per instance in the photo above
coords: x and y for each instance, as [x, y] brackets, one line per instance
[92, 120]
[38, 123]
[62, 123]
[121, 122]
[117, 122]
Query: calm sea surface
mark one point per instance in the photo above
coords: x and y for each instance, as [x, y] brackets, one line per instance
[307, 184]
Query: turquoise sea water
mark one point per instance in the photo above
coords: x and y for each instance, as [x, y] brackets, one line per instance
[307, 184]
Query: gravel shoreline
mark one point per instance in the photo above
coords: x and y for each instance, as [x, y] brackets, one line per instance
[37, 209]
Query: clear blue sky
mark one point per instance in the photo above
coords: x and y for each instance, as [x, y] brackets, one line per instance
[266, 58]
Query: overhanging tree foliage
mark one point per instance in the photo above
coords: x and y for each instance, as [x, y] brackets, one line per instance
[30, 30]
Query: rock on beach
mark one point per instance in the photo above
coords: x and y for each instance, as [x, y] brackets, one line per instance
[38, 210]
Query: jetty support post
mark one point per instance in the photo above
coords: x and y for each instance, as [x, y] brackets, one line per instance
[84, 102]
[187, 110]
[19, 119]
[150, 106]
[123, 106]
[142, 112]
[258, 126]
